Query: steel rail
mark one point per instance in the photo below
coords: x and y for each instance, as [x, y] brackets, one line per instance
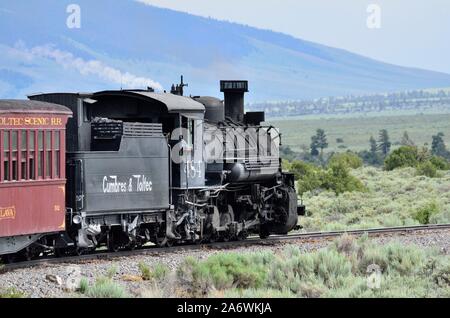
[271, 240]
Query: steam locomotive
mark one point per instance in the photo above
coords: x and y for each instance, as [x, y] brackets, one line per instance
[124, 168]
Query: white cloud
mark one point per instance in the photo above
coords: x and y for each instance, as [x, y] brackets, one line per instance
[91, 67]
[147, 2]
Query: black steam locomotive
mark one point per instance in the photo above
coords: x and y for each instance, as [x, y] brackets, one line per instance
[155, 167]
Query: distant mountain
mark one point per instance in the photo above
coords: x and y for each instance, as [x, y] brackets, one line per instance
[128, 44]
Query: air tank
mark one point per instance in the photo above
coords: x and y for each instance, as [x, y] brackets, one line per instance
[240, 172]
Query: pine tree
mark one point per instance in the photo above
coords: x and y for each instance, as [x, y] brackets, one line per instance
[322, 142]
[314, 146]
[372, 156]
[373, 146]
[438, 146]
[384, 144]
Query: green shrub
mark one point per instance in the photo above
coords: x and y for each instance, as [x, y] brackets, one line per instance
[441, 217]
[371, 158]
[107, 289]
[427, 169]
[287, 153]
[11, 293]
[331, 266]
[346, 244]
[146, 272]
[103, 287]
[349, 159]
[424, 213]
[440, 272]
[286, 165]
[323, 269]
[339, 179]
[184, 271]
[282, 275]
[160, 272]
[234, 270]
[405, 156]
[370, 256]
[111, 272]
[440, 163]
[222, 271]
[404, 259]
[311, 289]
[308, 176]
[351, 287]
[157, 273]
[84, 285]
[401, 286]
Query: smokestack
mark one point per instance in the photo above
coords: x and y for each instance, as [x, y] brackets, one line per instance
[234, 99]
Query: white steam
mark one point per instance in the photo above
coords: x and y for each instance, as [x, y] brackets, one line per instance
[92, 67]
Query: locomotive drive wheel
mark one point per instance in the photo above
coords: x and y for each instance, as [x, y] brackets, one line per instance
[169, 243]
[264, 232]
[131, 247]
[242, 236]
[61, 252]
[80, 251]
[212, 238]
[161, 241]
[225, 237]
[139, 244]
[113, 247]
[112, 242]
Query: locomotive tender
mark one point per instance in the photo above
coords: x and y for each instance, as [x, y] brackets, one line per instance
[141, 167]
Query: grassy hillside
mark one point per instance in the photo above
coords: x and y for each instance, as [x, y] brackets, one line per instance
[356, 130]
[393, 198]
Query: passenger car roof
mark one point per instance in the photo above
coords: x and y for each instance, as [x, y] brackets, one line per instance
[14, 106]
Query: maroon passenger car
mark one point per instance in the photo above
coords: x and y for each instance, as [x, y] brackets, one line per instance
[32, 172]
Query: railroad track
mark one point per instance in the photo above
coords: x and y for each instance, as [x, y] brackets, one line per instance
[152, 250]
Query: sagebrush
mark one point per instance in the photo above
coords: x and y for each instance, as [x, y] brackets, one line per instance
[344, 269]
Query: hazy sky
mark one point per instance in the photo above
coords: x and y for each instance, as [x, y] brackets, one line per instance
[412, 32]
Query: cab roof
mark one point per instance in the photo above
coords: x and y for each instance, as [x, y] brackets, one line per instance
[173, 103]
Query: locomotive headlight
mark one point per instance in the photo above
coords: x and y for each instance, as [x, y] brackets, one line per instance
[77, 219]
